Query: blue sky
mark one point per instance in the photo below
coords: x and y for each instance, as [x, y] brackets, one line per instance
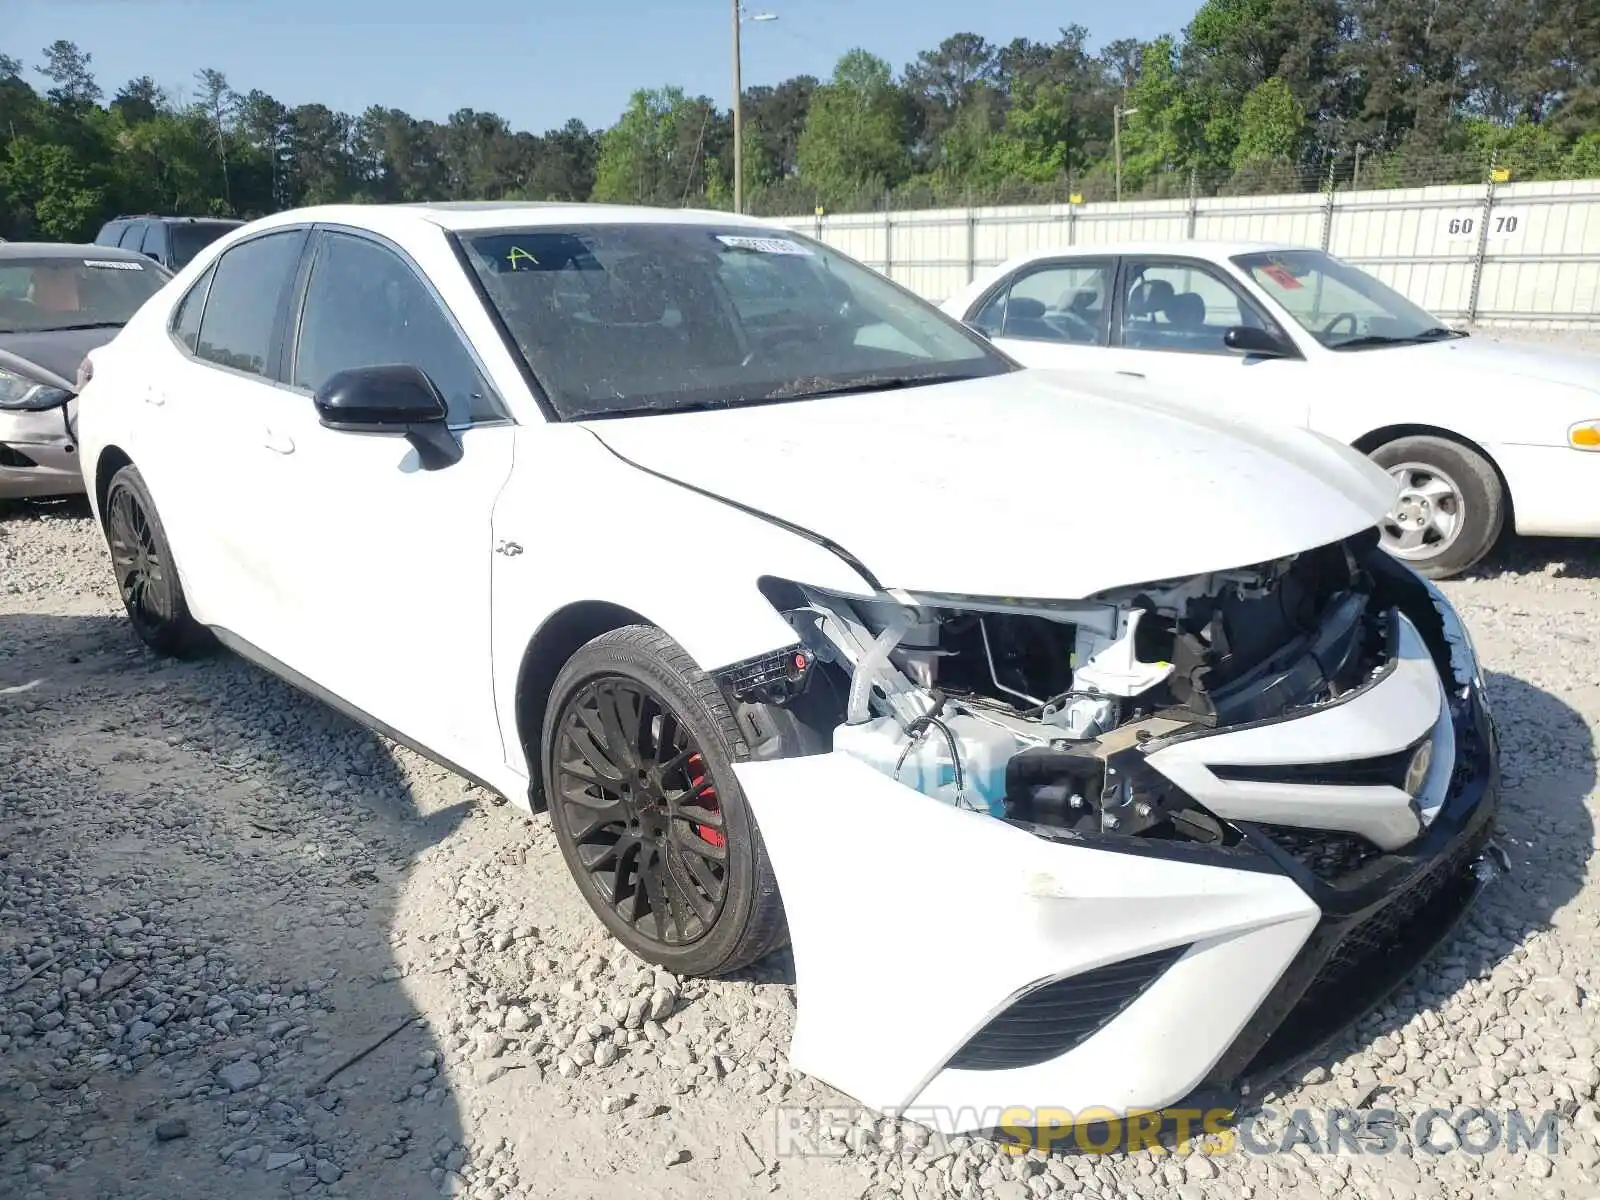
[535, 62]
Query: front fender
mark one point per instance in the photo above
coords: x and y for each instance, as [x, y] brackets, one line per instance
[592, 528]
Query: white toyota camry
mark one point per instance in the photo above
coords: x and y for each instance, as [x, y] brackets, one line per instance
[1088, 748]
[1478, 433]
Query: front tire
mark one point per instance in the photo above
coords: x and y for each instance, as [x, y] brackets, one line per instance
[638, 748]
[147, 579]
[1451, 508]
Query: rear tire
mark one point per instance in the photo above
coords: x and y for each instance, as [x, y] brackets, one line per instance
[147, 578]
[638, 753]
[1451, 509]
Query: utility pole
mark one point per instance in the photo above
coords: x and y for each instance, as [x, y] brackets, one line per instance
[1117, 113]
[738, 113]
[739, 19]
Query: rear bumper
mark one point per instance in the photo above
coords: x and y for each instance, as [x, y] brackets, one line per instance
[964, 972]
[1555, 490]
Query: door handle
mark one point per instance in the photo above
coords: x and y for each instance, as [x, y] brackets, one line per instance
[278, 442]
[1132, 374]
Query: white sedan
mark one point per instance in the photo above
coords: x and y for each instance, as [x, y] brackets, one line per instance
[1475, 432]
[1078, 767]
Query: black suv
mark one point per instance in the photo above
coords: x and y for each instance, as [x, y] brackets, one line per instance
[171, 241]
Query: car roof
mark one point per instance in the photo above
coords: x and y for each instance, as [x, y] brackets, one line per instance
[469, 215]
[11, 250]
[125, 218]
[1215, 249]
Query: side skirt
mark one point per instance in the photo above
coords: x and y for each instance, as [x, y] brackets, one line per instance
[254, 654]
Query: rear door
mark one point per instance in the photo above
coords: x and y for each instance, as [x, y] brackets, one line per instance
[1051, 313]
[1169, 320]
[214, 408]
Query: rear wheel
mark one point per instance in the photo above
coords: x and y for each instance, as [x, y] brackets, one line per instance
[1451, 507]
[146, 578]
[639, 746]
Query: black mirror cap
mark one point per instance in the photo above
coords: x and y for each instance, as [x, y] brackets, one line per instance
[389, 398]
[1248, 339]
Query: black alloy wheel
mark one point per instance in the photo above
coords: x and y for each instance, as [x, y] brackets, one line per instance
[634, 793]
[638, 753]
[146, 577]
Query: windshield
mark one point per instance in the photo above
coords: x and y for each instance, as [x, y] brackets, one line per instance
[1341, 306]
[652, 317]
[61, 292]
[191, 237]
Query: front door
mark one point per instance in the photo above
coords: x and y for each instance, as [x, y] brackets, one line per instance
[1170, 318]
[389, 564]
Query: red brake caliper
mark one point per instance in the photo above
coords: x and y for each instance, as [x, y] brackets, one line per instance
[706, 796]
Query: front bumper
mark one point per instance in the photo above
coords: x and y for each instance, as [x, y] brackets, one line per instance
[37, 456]
[959, 970]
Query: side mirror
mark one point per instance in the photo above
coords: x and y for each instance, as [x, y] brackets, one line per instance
[1248, 339]
[395, 399]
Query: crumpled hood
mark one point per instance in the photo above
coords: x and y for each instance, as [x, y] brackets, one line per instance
[1035, 484]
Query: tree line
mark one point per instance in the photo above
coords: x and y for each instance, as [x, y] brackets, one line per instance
[1250, 95]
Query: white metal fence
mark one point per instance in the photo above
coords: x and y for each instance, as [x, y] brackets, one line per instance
[1508, 254]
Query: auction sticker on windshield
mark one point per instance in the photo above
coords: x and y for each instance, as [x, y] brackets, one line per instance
[111, 264]
[764, 245]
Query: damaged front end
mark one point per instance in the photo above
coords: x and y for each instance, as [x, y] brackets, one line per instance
[1067, 716]
[1274, 784]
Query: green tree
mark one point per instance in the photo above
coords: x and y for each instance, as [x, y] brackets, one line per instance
[1270, 125]
[852, 141]
[660, 152]
[1034, 146]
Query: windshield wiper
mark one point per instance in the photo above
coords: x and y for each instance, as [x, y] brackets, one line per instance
[85, 325]
[1437, 334]
[872, 383]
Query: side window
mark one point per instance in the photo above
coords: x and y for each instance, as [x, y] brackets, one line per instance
[246, 295]
[109, 233]
[1183, 307]
[133, 235]
[1058, 302]
[365, 307]
[154, 240]
[186, 321]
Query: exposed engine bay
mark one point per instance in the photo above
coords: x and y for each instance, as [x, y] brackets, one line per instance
[1041, 712]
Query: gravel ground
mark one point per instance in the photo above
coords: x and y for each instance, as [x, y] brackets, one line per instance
[248, 949]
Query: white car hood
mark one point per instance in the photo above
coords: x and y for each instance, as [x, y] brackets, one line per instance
[1524, 360]
[1035, 484]
[1478, 356]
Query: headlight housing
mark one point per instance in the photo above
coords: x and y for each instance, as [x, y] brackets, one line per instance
[18, 393]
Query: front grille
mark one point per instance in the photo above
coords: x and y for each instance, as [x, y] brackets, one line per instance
[1050, 1020]
[1350, 962]
[1328, 854]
